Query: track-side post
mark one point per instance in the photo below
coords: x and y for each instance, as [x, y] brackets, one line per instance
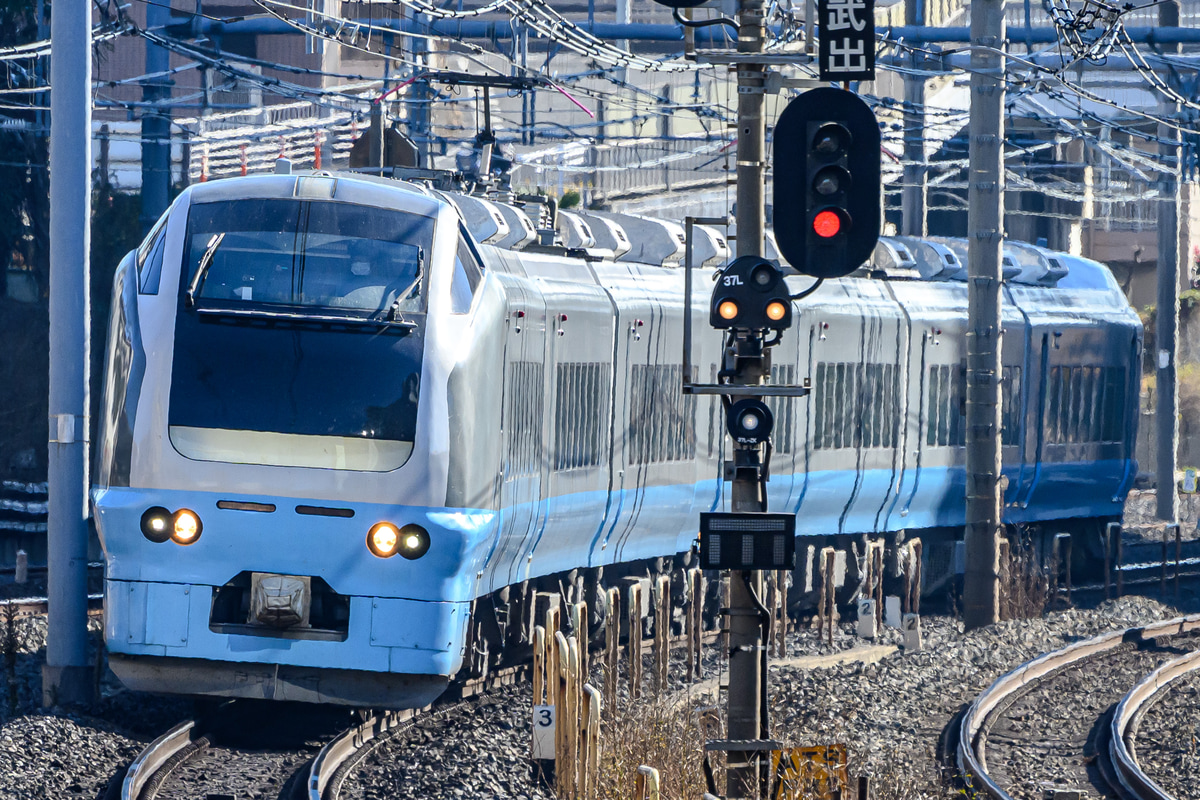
[985, 226]
[1108, 561]
[1178, 558]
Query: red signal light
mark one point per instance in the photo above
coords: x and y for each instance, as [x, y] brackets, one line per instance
[827, 224]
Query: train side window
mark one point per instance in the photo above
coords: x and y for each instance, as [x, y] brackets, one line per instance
[1113, 416]
[468, 272]
[662, 421]
[1010, 406]
[150, 256]
[581, 414]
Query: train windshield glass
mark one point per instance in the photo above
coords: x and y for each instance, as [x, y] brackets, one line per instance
[300, 334]
[320, 254]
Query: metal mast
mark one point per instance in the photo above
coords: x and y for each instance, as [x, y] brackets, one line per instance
[747, 678]
[66, 676]
[985, 231]
[1166, 411]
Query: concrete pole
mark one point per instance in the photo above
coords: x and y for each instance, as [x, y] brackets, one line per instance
[912, 197]
[751, 132]
[1166, 412]
[156, 123]
[66, 676]
[985, 231]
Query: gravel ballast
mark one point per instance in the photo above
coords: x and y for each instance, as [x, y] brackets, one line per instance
[1167, 739]
[890, 713]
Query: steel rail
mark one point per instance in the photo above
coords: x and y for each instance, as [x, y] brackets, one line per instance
[152, 759]
[1128, 715]
[326, 772]
[972, 735]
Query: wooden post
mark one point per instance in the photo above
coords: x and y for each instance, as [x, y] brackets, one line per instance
[724, 615]
[1178, 558]
[634, 645]
[1162, 576]
[574, 713]
[878, 564]
[785, 619]
[579, 625]
[830, 592]
[612, 648]
[1069, 547]
[1005, 579]
[1120, 561]
[564, 782]
[539, 666]
[552, 656]
[646, 783]
[662, 632]
[589, 748]
[917, 576]
[695, 624]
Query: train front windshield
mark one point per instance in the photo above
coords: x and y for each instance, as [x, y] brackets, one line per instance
[299, 334]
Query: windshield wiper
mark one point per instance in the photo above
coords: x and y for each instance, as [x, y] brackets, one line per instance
[303, 316]
[394, 311]
[202, 270]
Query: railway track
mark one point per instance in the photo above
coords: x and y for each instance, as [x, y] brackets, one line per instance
[240, 748]
[1128, 717]
[1064, 721]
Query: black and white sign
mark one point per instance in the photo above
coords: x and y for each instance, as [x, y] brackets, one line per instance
[847, 32]
[543, 732]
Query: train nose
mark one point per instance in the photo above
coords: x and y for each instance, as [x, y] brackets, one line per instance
[280, 601]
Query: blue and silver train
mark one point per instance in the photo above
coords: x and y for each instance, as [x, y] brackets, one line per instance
[351, 425]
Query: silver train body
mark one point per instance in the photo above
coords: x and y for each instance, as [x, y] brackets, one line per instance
[294, 360]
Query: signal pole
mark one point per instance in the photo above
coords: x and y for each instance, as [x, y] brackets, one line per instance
[985, 231]
[747, 673]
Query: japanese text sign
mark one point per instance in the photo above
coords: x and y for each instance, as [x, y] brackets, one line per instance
[847, 33]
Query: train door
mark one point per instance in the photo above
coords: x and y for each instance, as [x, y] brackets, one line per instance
[523, 432]
[579, 348]
[877, 387]
[1018, 360]
[637, 324]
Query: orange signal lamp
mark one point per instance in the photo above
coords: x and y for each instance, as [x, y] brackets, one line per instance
[728, 309]
[827, 224]
[776, 311]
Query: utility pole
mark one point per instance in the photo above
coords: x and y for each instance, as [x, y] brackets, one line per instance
[912, 197]
[156, 122]
[66, 676]
[985, 232]
[1166, 412]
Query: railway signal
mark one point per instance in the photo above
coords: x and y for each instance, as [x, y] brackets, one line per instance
[751, 295]
[827, 183]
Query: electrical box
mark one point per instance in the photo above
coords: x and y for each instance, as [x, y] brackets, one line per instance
[749, 540]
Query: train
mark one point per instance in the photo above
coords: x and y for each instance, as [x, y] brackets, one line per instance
[354, 426]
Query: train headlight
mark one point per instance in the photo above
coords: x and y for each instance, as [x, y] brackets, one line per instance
[157, 524]
[186, 527]
[414, 541]
[382, 539]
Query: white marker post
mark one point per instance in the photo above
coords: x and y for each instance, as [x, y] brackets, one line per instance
[543, 733]
[891, 611]
[866, 618]
[911, 626]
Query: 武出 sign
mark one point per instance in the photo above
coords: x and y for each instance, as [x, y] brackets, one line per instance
[847, 36]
